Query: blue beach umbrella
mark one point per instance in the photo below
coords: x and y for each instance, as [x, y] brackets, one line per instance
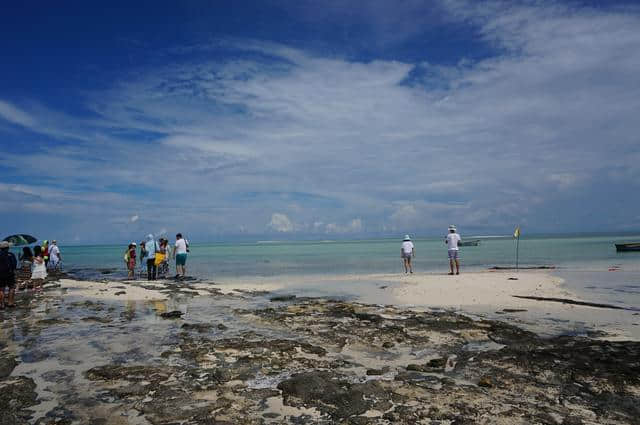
[21, 239]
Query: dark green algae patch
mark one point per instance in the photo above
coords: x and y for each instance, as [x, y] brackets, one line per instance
[299, 361]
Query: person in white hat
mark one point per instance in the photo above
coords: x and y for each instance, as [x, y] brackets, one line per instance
[54, 255]
[452, 240]
[407, 252]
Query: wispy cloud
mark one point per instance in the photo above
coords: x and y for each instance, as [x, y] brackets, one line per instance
[15, 115]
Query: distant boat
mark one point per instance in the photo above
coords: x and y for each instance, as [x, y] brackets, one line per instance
[631, 246]
[475, 242]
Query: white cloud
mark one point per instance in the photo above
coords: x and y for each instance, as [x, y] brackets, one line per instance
[353, 226]
[15, 115]
[405, 214]
[281, 223]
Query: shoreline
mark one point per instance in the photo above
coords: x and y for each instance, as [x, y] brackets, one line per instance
[202, 352]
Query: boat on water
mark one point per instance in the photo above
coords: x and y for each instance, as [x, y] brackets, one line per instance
[630, 246]
[475, 242]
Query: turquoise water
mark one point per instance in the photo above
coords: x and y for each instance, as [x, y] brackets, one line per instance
[215, 261]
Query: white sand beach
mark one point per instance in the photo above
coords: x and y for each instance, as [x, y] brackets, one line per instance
[421, 289]
[489, 294]
[111, 290]
[478, 288]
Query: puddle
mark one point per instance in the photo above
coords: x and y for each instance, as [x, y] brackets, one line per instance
[478, 346]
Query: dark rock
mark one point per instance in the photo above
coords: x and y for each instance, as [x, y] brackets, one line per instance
[52, 321]
[283, 298]
[368, 317]
[97, 319]
[7, 364]
[373, 372]
[438, 363]
[485, 382]
[431, 366]
[199, 327]
[176, 314]
[326, 392]
[388, 344]
[129, 373]
[15, 397]
[120, 293]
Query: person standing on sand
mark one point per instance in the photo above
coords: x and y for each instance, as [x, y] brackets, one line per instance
[143, 257]
[130, 260]
[163, 265]
[407, 252]
[39, 272]
[152, 247]
[45, 252]
[180, 254]
[452, 240]
[54, 255]
[8, 266]
[26, 261]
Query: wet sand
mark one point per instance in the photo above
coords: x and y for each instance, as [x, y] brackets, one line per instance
[389, 349]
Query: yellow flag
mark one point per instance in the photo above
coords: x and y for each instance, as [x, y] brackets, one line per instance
[516, 234]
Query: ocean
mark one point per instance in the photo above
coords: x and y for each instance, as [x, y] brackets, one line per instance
[272, 258]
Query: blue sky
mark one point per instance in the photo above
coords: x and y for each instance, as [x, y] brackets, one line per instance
[301, 119]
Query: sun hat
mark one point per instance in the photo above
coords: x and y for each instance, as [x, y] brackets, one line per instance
[452, 227]
[4, 244]
[406, 238]
[133, 243]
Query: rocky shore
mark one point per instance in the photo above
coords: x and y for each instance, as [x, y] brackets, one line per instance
[194, 355]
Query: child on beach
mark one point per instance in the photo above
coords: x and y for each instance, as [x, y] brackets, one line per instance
[162, 258]
[407, 251]
[130, 260]
[39, 271]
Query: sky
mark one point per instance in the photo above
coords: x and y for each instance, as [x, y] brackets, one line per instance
[278, 119]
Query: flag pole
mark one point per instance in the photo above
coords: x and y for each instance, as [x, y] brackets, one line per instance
[517, 249]
[516, 234]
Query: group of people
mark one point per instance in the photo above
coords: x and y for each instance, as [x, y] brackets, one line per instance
[408, 251]
[156, 255]
[31, 267]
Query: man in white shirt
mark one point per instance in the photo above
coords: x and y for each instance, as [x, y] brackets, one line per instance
[407, 252]
[180, 253]
[54, 255]
[452, 240]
